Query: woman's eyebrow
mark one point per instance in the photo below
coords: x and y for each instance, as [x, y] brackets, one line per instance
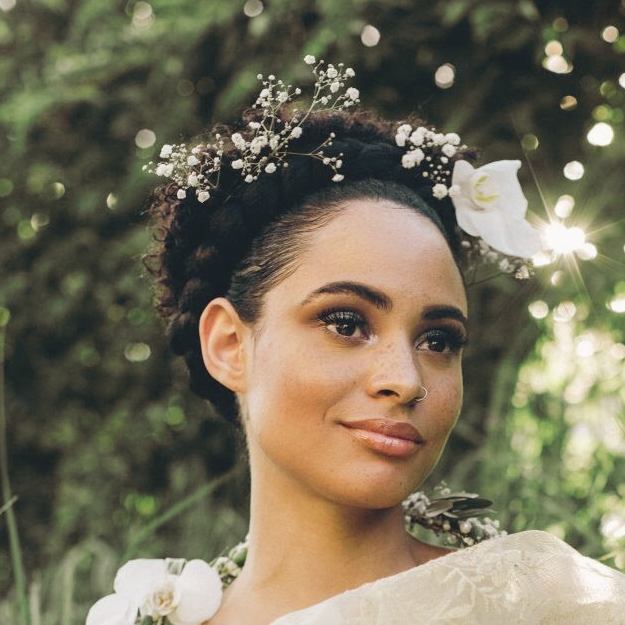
[445, 312]
[375, 297]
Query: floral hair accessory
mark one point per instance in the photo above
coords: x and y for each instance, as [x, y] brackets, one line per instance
[199, 168]
[489, 203]
[160, 592]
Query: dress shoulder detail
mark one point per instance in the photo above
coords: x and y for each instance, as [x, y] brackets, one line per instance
[529, 578]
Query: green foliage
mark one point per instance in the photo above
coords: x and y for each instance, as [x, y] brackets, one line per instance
[103, 438]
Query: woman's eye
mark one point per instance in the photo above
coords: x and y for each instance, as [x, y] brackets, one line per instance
[449, 341]
[345, 323]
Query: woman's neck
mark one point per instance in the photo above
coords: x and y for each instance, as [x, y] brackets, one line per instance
[304, 548]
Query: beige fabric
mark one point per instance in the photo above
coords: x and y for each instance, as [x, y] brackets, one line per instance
[530, 578]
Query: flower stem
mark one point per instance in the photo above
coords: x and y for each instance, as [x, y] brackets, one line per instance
[7, 498]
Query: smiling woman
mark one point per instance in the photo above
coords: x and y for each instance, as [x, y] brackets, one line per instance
[310, 264]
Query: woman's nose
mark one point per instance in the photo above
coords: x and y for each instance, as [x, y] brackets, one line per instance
[395, 373]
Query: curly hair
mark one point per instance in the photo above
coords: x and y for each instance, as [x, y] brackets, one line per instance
[247, 237]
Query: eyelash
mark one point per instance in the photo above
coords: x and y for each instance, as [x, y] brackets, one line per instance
[454, 339]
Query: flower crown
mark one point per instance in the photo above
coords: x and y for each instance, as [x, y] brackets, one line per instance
[489, 203]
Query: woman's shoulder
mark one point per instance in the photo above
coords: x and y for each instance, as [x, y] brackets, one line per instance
[529, 578]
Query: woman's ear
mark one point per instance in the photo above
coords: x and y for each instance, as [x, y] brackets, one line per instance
[222, 336]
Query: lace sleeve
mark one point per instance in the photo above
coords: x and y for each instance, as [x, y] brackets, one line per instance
[530, 578]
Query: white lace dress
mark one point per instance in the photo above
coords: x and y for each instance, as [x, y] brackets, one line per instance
[530, 578]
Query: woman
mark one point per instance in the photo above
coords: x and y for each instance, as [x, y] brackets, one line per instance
[310, 263]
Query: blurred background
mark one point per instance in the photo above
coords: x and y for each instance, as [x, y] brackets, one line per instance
[107, 452]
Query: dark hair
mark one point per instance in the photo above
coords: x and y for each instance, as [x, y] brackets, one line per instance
[247, 237]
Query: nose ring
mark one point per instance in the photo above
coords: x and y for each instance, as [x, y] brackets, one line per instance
[425, 394]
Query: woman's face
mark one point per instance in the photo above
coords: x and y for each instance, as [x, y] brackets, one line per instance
[374, 312]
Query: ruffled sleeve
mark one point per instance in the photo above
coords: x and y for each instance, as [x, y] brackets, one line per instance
[530, 578]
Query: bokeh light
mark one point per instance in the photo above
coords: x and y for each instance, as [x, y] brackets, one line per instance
[137, 352]
[370, 36]
[445, 75]
[530, 142]
[601, 134]
[7, 5]
[253, 8]
[145, 138]
[563, 240]
[142, 16]
[573, 170]
[617, 303]
[554, 48]
[568, 103]
[557, 64]
[610, 34]
[564, 312]
[560, 24]
[538, 309]
[564, 206]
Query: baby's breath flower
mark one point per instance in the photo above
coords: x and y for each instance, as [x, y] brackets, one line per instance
[249, 178]
[309, 59]
[331, 73]
[270, 168]
[337, 177]
[448, 150]
[202, 196]
[193, 160]
[334, 87]
[296, 132]
[349, 73]
[166, 151]
[352, 93]
[439, 191]
[238, 164]
[181, 194]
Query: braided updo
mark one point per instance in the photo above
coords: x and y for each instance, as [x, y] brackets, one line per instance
[247, 237]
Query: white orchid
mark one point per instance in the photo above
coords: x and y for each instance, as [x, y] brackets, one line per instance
[148, 588]
[490, 204]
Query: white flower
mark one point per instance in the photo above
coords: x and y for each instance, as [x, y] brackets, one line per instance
[263, 94]
[193, 160]
[258, 143]
[271, 167]
[332, 73]
[146, 586]
[412, 158]
[282, 96]
[439, 191]
[192, 180]
[181, 194]
[309, 59]
[352, 93]
[274, 142]
[453, 138]
[337, 177]
[202, 196]
[490, 204]
[238, 140]
[296, 132]
[249, 178]
[417, 137]
[238, 164]
[334, 87]
[439, 138]
[448, 150]
[350, 73]
[164, 169]
[166, 151]
[400, 140]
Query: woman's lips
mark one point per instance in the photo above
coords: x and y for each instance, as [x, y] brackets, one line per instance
[391, 438]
